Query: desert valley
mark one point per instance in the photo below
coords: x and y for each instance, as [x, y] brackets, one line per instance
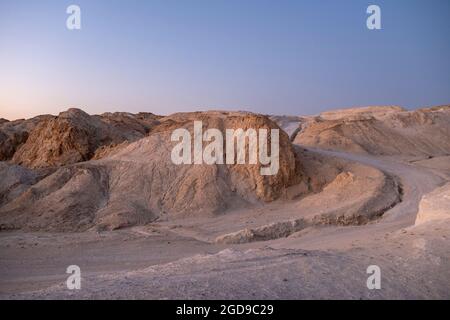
[354, 188]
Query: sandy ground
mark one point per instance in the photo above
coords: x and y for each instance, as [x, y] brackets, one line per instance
[177, 261]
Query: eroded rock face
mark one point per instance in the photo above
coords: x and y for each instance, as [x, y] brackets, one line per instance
[435, 206]
[74, 136]
[139, 183]
[266, 188]
[380, 131]
[14, 134]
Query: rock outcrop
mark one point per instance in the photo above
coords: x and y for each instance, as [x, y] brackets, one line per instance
[14, 134]
[435, 206]
[74, 136]
[380, 131]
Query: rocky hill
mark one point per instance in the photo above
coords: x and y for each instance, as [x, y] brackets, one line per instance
[74, 136]
[13, 134]
[138, 183]
[380, 131]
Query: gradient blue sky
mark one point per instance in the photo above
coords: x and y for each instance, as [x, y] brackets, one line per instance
[280, 57]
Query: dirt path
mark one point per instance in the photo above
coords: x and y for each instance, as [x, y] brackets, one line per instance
[416, 182]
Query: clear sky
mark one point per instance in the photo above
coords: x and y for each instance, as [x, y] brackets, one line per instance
[280, 57]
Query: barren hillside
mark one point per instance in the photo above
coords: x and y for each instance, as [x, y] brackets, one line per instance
[380, 131]
[138, 183]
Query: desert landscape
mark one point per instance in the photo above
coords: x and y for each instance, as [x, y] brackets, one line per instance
[355, 187]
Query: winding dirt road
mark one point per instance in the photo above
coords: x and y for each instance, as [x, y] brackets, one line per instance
[416, 182]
